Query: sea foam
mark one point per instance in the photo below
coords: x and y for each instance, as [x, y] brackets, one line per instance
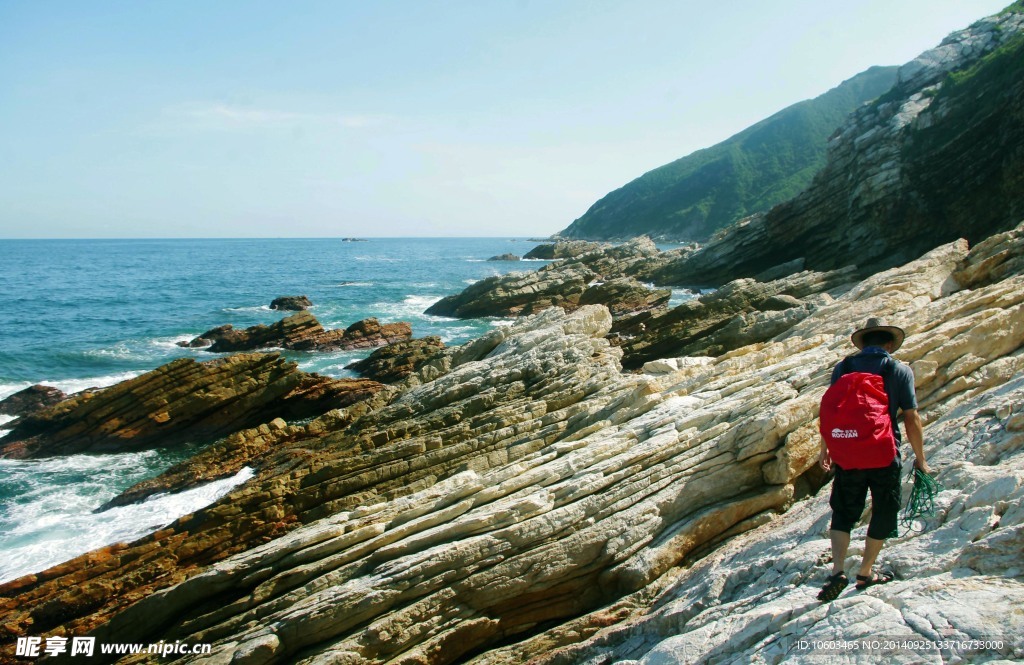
[49, 522]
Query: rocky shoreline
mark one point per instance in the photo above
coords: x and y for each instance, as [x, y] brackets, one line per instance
[605, 479]
[522, 488]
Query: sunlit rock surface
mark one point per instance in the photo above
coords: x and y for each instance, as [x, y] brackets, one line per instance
[520, 495]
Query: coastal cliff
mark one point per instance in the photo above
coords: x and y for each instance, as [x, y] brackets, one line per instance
[936, 158]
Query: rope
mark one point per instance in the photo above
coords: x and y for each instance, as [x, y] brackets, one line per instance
[921, 503]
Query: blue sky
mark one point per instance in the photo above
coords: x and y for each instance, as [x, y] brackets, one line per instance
[322, 119]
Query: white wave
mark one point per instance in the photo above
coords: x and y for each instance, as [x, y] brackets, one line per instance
[502, 323]
[453, 333]
[470, 281]
[8, 389]
[679, 296]
[352, 285]
[120, 351]
[71, 386]
[412, 306]
[252, 308]
[475, 260]
[5, 419]
[63, 527]
[171, 343]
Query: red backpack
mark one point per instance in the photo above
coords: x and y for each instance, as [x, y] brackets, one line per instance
[855, 422]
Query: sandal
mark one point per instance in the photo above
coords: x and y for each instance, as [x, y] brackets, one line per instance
[835, 585]
[864, 581]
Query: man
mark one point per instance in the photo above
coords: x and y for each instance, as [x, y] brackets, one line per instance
[876, 342]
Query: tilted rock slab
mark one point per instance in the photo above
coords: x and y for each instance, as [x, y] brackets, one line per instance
[182, 401]
[604, 274]
[302, 332]
[742, 312]
[959, 572]
[394, 362]
[562, 249]
[522, 480]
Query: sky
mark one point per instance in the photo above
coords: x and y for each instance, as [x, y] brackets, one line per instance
[145, 119]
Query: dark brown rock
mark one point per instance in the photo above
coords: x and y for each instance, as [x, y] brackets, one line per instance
[562, 249]
[210, 337]
[30, 400]
[366, 334]
[394, 362]
[302, 332]
[505, 257]
[292, 303]
[249, 447]
[182, 401]
[562, 284]
[625, 296]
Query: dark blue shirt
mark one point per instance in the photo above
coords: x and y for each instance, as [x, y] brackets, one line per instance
[899, 386]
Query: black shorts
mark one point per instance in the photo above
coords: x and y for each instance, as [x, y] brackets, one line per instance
[849, 493]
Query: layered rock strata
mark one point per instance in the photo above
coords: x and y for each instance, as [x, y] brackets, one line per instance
[937, 158]
[394, 362]
[522, 481]
[563, 249]
[959, 571]
[30, 400]
[742, 312]
[182, 401]
[302, 332]
[612, 271]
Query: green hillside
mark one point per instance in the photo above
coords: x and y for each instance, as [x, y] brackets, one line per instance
[761, 166]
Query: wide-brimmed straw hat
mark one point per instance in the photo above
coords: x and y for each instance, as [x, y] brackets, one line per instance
[873, 325]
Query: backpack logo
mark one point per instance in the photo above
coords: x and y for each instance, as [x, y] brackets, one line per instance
[844, 433]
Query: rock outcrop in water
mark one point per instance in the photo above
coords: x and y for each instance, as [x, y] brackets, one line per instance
[607, 271]
[563, 249]
[394, 362]
[302, 332]
[292, 303]
[30, 400]
[520, 497]
[182, 401]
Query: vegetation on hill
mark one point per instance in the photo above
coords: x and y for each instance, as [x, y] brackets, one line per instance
[761, 166]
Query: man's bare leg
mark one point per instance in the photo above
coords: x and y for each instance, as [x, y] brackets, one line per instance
[872, 546]
[841, 543]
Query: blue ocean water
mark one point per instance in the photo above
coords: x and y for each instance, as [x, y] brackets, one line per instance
[81, 313]
[77, 311]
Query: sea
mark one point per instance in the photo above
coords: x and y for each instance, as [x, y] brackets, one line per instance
[92, 313]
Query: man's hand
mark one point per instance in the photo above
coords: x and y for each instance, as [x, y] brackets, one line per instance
[922, 465]
[824, 459]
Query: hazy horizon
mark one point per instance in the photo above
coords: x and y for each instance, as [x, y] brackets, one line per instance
[397, 120]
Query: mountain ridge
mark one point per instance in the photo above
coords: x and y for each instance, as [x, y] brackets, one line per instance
[762, 165]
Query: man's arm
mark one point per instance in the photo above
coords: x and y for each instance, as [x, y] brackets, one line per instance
[915, 432]
[824, 459]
